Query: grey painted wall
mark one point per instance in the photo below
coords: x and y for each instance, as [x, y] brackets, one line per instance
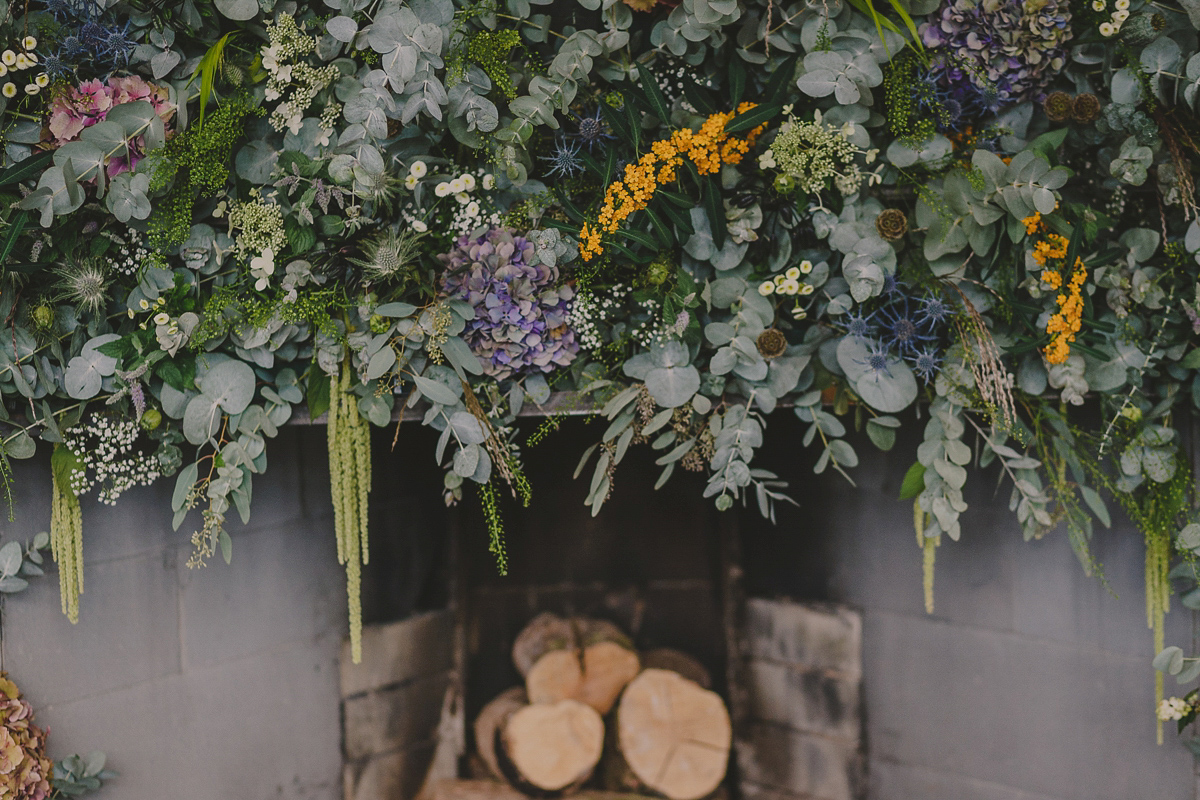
[1031, 682]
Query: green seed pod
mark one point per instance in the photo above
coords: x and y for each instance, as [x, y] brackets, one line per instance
[1143, 29]
[151, 419]
[42, 318]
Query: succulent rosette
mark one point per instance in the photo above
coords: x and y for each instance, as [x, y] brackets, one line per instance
[24, 768]
[1009, 49]
[522, 312]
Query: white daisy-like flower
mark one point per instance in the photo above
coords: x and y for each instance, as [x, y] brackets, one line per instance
[419, 226]
[1107, 29]
[766, 288]
[442, 189]
[792, 274]
[410, 182]
[162, 318]
[418, 169]
[1120, 16]
[807, 288]
[29, 42]
[32, 88]
[42, 80]
[23, 61]
[463, 198]
[806, 266]
[468, 181]
[8, 57]
[473, 209]
[489, 181]
[457, 186]
[790, 287]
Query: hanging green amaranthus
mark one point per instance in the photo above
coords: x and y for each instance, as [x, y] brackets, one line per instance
[66, 531]
[350, 483]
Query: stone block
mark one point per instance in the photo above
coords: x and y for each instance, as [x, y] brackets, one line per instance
[393, 719]
[128, 630]
[396, 652]
[806, 700]
[813, 636]
[391, 776]
[261, 727]
[892, 781]
[800, 763]
[283, 585]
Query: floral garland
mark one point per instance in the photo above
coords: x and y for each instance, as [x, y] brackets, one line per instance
[221, 216]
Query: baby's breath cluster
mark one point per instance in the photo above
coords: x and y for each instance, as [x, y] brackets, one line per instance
[108, 458]
[811, 155]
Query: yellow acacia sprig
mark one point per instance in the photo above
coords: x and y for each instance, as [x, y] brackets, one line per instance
[707, 148]
[1068, 281]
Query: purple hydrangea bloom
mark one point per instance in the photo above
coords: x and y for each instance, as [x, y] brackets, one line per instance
[1010, 47]
[522, 313]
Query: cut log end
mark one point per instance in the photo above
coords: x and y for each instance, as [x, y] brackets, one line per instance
[554, 746]
[674, 734]
[491, 720]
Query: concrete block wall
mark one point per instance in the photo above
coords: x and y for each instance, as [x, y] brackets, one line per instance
[392, 705]
[1030, 681]
[219, 683]
[803, 674]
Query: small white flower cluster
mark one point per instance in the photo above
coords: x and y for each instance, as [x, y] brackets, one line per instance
[789, 282]
[589, 310]
[469, 213]
[288, 44]
[104, 447]
[1116, 19]
[131, 254]
[651, 329]
[1173, 708]
[14, 62]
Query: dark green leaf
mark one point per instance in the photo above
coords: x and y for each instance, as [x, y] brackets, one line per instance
[700, 98]
[661, 231]
[737, 81]
[715, 210]
[638, 236]
[26, 169]
[752, 118]
[676, 198]
[618, 124]
[654, 94]
[914, 482]
[781, 81]
[15, 226]
[318, 391]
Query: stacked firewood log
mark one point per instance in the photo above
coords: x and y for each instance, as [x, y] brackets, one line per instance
[594, 711]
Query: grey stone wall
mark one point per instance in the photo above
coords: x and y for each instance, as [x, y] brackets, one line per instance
[1030, 682]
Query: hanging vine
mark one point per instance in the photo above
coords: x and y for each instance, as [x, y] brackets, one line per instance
[350, 484]
[66, 531]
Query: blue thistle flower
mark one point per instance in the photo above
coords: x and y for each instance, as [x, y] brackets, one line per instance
[592, 130]
[934, 311]
[906, 334]
[858, 324]
[926, 363]
[877, 359]
[564, 160]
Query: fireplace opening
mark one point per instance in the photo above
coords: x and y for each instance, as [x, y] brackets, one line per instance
[657, 571]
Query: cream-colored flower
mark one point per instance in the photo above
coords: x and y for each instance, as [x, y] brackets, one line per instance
[489, 181]
[1120, 16]
[419, 226]
[29, 42]
[779, 279]
[442, 189]
[766, 288]
[457, 186]
[42, 80]
[32, 88]
[463, 198]
[793, 274]
[410, 181]
[468, 181]
[790, 287]
[806, 289]
[23, 61]
[472, 209]
[1107, 29]
[806, 266]
[162, 318]
[8, 57]
[418, 169]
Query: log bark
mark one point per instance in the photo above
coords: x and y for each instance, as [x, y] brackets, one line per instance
[674, 735]
[554, 746]
[491, 721]
[544, 633]
[677, 661]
